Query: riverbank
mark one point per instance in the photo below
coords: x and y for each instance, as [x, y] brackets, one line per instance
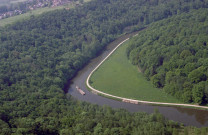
[128, 99]
[185, 115]
[117, 76]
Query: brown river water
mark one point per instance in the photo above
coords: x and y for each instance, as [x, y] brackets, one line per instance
[187, 116]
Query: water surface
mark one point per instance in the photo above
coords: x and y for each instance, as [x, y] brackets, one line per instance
[187, 116]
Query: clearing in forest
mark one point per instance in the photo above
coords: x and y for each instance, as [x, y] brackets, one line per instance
[117, 76]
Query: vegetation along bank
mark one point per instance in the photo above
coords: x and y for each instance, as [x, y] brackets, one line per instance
[39, 55]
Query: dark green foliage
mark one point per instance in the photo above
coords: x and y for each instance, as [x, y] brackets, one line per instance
[39, 55]
[173, 54]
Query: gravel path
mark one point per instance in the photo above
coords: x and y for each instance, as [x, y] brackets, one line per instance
[131, 100]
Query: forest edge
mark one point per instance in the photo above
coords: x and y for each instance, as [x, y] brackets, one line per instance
[133, 101]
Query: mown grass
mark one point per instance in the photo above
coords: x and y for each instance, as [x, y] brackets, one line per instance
[27, 15]
[117, 76]
[36, 12]
[7, 2]
[16, 1]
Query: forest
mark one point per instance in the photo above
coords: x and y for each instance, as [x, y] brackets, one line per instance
[173, 55]
[39, 55]
[9, 8]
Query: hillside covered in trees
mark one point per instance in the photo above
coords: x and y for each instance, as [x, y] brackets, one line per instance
[39, 55]
[173, 54]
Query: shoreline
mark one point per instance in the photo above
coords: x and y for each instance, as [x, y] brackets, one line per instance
[132, 100]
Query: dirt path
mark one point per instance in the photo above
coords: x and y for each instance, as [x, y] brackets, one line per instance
[131, 100]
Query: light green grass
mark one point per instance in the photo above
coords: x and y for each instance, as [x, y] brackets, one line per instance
[36, 12]
[16, 1]
[7, 2]
[117, 76]
[27, 15]
[87, 0]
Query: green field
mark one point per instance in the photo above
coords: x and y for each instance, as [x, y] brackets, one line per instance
[13, 19]
[7, 2]
[16, 1]
[27, 15]
[117, 76]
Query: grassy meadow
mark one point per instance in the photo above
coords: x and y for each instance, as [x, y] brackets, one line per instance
[16, 1]
[39, 11]
[117, 76]
[36, 12]
[7, 2]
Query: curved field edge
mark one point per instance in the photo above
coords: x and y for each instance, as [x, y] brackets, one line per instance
[117, 76]
[128, 99]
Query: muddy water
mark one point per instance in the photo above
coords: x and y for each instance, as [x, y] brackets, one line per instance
[187, 116]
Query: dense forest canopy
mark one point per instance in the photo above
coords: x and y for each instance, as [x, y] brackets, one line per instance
[173, 54]
[39, 55]
[10, 8]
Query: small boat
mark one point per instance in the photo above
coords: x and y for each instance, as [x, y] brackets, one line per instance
[130, 101]
[80, 90]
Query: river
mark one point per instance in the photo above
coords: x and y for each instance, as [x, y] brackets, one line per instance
[187, 116]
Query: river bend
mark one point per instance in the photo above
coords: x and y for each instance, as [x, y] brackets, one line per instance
[187, 116]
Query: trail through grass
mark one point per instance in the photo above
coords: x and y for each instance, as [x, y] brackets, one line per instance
[117, 76]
